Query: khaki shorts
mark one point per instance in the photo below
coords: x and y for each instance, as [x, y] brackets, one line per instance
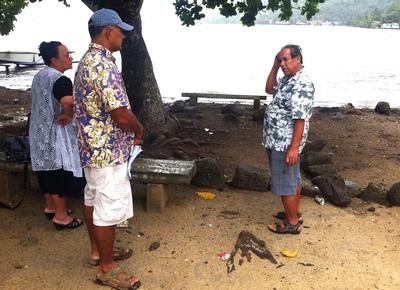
[109, 192]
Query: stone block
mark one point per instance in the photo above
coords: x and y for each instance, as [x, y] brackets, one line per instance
[157, 197]
[12, 188]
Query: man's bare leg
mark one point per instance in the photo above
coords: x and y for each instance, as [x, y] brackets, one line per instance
[88, 215]
[291, 205]
[104, 237]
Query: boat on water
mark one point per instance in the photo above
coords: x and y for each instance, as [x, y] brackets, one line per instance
[25, 58]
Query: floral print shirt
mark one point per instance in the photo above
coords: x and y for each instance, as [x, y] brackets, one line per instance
[99, 89]
[293, 99]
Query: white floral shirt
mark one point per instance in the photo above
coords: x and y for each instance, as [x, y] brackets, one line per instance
[293, 99]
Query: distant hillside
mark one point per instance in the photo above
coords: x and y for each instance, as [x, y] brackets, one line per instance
[344, 11]
[339, 11]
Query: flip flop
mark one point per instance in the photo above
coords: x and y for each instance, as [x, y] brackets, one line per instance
[114, 279]
[119, 253]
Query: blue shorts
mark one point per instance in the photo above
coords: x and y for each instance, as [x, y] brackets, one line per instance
[284, 179]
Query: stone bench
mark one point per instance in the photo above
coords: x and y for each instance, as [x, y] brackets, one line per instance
[194, 96]
[7, 66]
[14, 181]
[158, 174]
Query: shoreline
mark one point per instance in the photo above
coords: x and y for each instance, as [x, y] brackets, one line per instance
[170, 101]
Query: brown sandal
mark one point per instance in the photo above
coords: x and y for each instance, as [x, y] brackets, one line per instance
[116, 280]
[119, 253]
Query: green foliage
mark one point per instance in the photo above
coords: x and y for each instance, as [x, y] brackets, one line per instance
[11, 8]
[8, 10]
[392, 14]
[353, 12]
[190, 11]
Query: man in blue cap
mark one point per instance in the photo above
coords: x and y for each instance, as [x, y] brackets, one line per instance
[107, 132]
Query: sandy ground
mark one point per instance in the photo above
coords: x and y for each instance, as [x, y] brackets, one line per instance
[338, 247]
[355, 247]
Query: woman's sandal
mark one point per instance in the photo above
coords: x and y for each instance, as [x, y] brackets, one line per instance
[50, 215]
[282, 216]
[287, 229]
[75, 223]
[119, 253]
[116, 280]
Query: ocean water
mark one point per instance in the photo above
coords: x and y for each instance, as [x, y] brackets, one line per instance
[347, 65]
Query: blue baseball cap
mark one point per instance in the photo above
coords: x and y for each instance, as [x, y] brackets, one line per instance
[108, 17]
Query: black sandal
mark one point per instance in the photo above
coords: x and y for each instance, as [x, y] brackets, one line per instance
[50, 215]
[282, 216]
[287, 229]
[75, 223]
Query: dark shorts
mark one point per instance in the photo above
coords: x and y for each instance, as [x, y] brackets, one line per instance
[284, 179]
[61, 182]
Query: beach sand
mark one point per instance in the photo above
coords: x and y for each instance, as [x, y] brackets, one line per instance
[352, 247]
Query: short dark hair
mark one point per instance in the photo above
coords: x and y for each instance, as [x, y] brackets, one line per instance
[48, 50]
[95, 31]
[295, 51]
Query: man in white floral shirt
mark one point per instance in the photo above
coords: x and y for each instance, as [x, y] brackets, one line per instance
[107, 132]
[286, 125]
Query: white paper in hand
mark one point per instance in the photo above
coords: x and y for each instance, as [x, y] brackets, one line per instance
[136, 151]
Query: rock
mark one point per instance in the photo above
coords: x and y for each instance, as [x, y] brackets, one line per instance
[191, 110]
[154, 246]
[382, 108]
[353, 189]
[338, 116]
[395, 111]
[317, 170]
[177, 107]
[209, 174]
[316, 145]
[347, 108]
[394, 194]
[326, 110]
[232, 109]
[309, 189]
[375, 192]
[231, 118]
[314, 158]
[259, 115]
[249, 177]
[332, 187]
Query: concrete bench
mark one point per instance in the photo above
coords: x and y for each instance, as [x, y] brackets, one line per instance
[194, 96]
[7, 66]
[14, 181]
[158, 174]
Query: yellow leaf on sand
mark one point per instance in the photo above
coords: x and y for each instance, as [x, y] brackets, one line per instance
[206, 194]
[290, 253]
[22, 109]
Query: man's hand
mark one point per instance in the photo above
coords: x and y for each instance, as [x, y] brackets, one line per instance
[292, 156]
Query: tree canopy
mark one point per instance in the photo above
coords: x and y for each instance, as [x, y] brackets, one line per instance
[190, 11]
[8, 11]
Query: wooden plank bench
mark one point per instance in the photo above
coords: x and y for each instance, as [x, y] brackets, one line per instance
[158, 174]
[194, 96]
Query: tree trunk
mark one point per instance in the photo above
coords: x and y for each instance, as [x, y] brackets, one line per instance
[137, 68]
